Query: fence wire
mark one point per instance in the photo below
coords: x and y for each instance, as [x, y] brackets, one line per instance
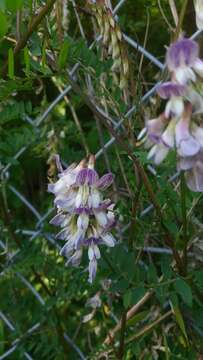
[42, 218]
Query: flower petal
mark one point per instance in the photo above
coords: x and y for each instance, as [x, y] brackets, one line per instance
[57, 219]
[94, 198]
[101, 217]
[63, 234]
[82, 196]
[96, 252]
[75, 259]
[169, 89]
[92, 270]
[195, 99]
[108, 239]
[194, 178]
[186, 144]
[155, 128]
[83, 221]
[174, 106]
[78, 237]
[90, 253]
[105, 181]
[158, 153]
[67, 249]
[92, 177]
[188, 147]
[197, 132]
[186, 163]
[198, 67]
[168, 136]
[184, 74]
[182, 53]
[86, 176]
[81, 177]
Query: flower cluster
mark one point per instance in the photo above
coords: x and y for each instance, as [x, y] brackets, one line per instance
[112, 39]
[85, 217]
[178, 127]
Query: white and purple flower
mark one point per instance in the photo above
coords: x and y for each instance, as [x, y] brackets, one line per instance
[177, 128]
[174, 93]
[86, 218]
[183, 135]
[183, 61]
[193, 167]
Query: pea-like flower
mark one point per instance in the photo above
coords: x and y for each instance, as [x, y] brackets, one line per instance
[193, 167]
[85, 217]
[174, 93]
[152, 135]
[189, 136]
[183, 61]
[183, 135]
[190, 151]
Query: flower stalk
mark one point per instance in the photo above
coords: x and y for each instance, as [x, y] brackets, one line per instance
[180, 20]
[183, 191]
[178, 127]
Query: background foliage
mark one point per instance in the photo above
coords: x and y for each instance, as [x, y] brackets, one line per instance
[37, 290]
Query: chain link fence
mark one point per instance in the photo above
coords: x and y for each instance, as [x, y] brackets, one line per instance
[41, 219]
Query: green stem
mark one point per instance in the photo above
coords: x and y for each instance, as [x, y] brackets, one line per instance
[180, 21]
[149, 327]
[122, 336]
[184, 219]
[135, 206]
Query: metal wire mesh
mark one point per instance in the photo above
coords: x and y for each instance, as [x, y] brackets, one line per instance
[42, 218]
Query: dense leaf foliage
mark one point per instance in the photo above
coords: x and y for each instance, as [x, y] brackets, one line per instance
[59, 95]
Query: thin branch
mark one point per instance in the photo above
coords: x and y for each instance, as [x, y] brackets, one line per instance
[78, 20]
[123, 172]
[150, 327]
[133, 222]
[145, 43]
[173, 11]
[132, 312]
[34, 22]
[122, 336]
[180, 20]
[184, 218]
[18, 23]
[164, 16]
